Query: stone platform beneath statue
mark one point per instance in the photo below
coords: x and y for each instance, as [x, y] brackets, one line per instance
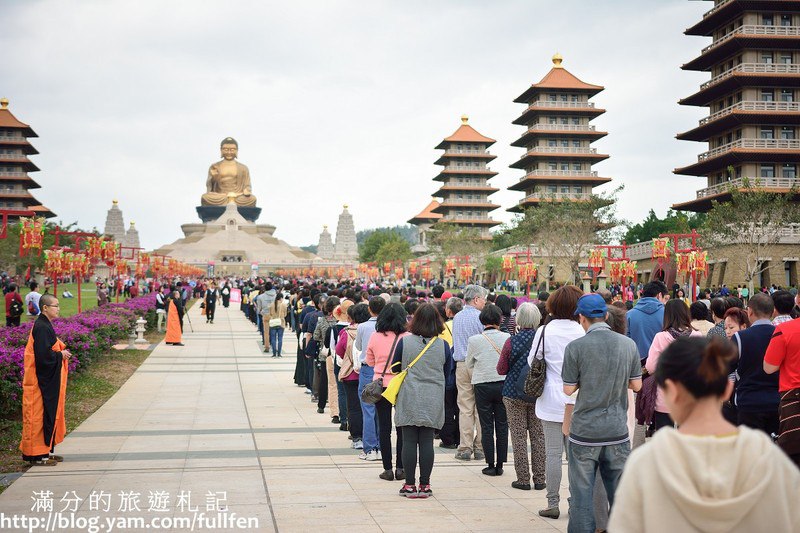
[231, 238]
[210, 213]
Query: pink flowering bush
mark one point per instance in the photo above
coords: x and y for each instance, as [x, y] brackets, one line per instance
[88, 335]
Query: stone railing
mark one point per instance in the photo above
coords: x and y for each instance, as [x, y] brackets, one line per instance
[753, 68]
[571, 105]
[560, 150]
[561, 127]
[471, 201]
[561, 173]
[757, 183]
[462, 168]
[716, 8]
[752, 105]
[13, 173]
[456, 151]
[12, 157]
[558, 196]
[753, 144]
[750, 29]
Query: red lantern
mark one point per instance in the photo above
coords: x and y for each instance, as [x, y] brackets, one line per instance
[508, 263]
[94, 249]
[53, 261]
[597, 260]
[701, 263]
[629, 269]
[660, 248]
[615, 271]
[683, 261]
[31, 235]
[109, 252]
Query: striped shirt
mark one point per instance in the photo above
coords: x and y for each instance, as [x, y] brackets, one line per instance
[465, 324]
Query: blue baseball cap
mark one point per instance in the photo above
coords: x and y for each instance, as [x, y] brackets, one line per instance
[591, 306]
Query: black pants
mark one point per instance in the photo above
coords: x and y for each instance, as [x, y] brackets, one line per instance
[322, 390]
[384, 411]
[494, 423]
[355, 419]
[449, 432]
[300, 365]
[210, 311]
[416, 437]
[226, 300]
[765, 421]
[12, 321]
[661, 420]
[309, 369]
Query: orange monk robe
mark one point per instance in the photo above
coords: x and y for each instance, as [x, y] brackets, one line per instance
[173, 323]
[43, 422]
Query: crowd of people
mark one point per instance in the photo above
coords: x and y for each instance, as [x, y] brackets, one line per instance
[696, 386]
[707, 392]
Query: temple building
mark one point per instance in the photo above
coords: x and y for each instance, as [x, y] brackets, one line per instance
[325, 245]
[15, 184]
[558, 154]
[465, 180]
[346, 246]
[752, 98]
[424, 221]
[115, 228]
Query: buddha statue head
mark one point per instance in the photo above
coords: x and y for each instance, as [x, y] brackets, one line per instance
[229, 148]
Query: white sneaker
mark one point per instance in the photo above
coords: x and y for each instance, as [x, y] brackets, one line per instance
[358, 445]
[373, 456]
[362, 456]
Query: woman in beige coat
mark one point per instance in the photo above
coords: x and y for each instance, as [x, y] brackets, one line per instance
[277, 323]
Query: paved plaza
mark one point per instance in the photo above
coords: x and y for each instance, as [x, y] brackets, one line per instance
[218, 423]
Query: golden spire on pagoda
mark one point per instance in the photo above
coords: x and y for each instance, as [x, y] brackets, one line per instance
[115, 201]
[345, 206]
[4, 103]
[464, 119]
[557, 59]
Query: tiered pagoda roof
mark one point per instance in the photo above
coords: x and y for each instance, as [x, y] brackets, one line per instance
[15, 165]
[558, 158]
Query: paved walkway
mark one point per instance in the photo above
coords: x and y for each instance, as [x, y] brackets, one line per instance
[219, 422]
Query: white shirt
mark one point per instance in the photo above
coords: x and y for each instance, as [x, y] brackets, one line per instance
[32, 296]
[557, 334]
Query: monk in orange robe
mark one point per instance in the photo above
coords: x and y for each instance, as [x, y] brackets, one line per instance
[174, 319]
[44, 387]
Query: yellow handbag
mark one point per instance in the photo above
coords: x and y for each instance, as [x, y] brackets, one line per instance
[393, 389]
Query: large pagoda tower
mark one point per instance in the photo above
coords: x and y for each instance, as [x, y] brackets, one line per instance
[15, 165]
[752, 98]
[558, 155]
[465, 180]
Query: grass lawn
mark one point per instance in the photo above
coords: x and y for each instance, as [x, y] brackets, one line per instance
[86, 392]
[69, 306]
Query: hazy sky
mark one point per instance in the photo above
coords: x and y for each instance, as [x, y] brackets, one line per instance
[332, 102]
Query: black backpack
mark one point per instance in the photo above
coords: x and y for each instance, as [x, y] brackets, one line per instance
[15, 309]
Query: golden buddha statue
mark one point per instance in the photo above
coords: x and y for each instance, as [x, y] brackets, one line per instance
[228, 180]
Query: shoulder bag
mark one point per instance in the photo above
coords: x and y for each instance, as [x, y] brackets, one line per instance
[519, 385]
[393, 389]
[534, 381]
[372, 392]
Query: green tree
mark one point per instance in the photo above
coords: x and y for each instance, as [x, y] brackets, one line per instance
[393, 250]
[754, 221]
[369, 250]
[652, 226]
[494, 267]
[9, 247]
[565, 231]
[449, 240]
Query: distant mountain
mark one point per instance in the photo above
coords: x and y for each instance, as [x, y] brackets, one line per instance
[310, 248]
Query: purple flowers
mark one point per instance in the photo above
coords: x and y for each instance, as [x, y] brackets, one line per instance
[87, 335]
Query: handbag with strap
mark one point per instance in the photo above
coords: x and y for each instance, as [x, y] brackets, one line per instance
[274, 322]
[393, 389]
[534, 381]
[519, 385]
[373, 392]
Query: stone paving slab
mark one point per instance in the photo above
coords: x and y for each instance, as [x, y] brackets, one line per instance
[221, 424]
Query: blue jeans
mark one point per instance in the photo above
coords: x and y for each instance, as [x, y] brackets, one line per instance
[584, 462]
[276, 339]
[370, 431]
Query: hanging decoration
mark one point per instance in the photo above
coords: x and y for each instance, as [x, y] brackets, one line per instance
[597, 260]
[683, 261]
[508, 263]
[412, 267]
[109, 252]
[660, 248]
[615, 271]
[628, 269]
[31, 235]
